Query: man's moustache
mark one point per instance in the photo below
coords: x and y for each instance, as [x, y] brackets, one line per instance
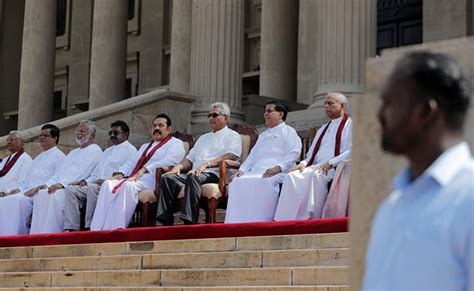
[157, 131]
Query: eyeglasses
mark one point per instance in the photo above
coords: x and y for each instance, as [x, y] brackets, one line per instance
[269, 110]
[44, 135]
[114, 132]
[214, 115]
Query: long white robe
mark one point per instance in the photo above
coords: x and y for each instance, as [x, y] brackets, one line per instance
[303, 194]
[17, 174]
[48, 208]
[251, 197]
[15, 210]
[115, 210]
[110, 161]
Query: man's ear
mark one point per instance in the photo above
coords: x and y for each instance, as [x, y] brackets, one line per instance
[429, 112]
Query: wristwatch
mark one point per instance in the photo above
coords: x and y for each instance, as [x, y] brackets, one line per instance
[330, 164]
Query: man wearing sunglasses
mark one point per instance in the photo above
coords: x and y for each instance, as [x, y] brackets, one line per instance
[77, 166]
[82, 194]
[203, 160]
[16, 209]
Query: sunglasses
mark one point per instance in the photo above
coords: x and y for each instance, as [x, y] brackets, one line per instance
[214, 115]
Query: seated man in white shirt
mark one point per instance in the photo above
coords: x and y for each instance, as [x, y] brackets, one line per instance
[253, 192]
[82, 194]
[14, 169]
[16, 209]
[210, 149]
[305, 187]
[78, 165]
[118, 197]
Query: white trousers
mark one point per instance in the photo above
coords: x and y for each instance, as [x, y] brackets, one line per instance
[48, 212]
[15, 214]
[115, 210]
[303, 195]
[252, 198]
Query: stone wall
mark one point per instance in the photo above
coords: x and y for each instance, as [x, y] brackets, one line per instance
[138, 112]
[373, 169]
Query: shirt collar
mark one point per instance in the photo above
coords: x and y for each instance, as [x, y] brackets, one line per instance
[275, 128]
[220, 130]
[442, 170]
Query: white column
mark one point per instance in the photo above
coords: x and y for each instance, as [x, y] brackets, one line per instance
[108, 52]
[346, 32]
[278, 49]
[180, 64]
[217, 55]
[37, 63]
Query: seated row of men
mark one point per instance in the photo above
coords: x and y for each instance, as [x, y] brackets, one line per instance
[46, 194]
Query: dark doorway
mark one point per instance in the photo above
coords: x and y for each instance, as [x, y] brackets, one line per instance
[399, 23]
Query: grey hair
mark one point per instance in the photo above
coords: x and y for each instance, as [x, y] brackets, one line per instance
[18, 134]
[224, 108]
[341, 98]
[90, 124]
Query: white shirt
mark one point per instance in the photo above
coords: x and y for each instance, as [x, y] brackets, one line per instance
[276, 146]
[112, 159]
[328, 144]
[213, 145]
[78, 165]
[169, 154]
[17, 174]
[44, 166]
[423, 234]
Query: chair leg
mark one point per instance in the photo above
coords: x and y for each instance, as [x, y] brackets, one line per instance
[144, 215]
[211, 212]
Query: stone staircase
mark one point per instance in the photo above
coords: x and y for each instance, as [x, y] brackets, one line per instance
[294, 262]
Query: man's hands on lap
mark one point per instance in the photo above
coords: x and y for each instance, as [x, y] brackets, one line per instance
[175, 170]
[271, 172]
[33, 191]
[14, 191]
[54, 188]
[324, 168]
[198, 171]
[300, 167]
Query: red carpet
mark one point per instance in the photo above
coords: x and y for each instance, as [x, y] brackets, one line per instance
[180, 232]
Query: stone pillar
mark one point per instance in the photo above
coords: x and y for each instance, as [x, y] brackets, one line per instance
[278, 49]
[346, 33]
[180, 64]
[81, 28]
[11, 33]
[307, 39]
[151, 45]
[37, 63]
[444, 19]
[217, 56]
[108, 52]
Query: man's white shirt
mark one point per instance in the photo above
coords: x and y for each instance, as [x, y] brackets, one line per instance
[18, 173]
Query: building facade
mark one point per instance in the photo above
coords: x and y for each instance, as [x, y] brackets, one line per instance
[61, 57]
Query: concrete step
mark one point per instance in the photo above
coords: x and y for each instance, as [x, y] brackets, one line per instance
[287, 242]
[312, 276]
[241, 288]
[239, 259]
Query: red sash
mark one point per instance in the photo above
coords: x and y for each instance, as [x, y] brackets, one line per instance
[337, 148]
[143, 160]
[10, 162]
